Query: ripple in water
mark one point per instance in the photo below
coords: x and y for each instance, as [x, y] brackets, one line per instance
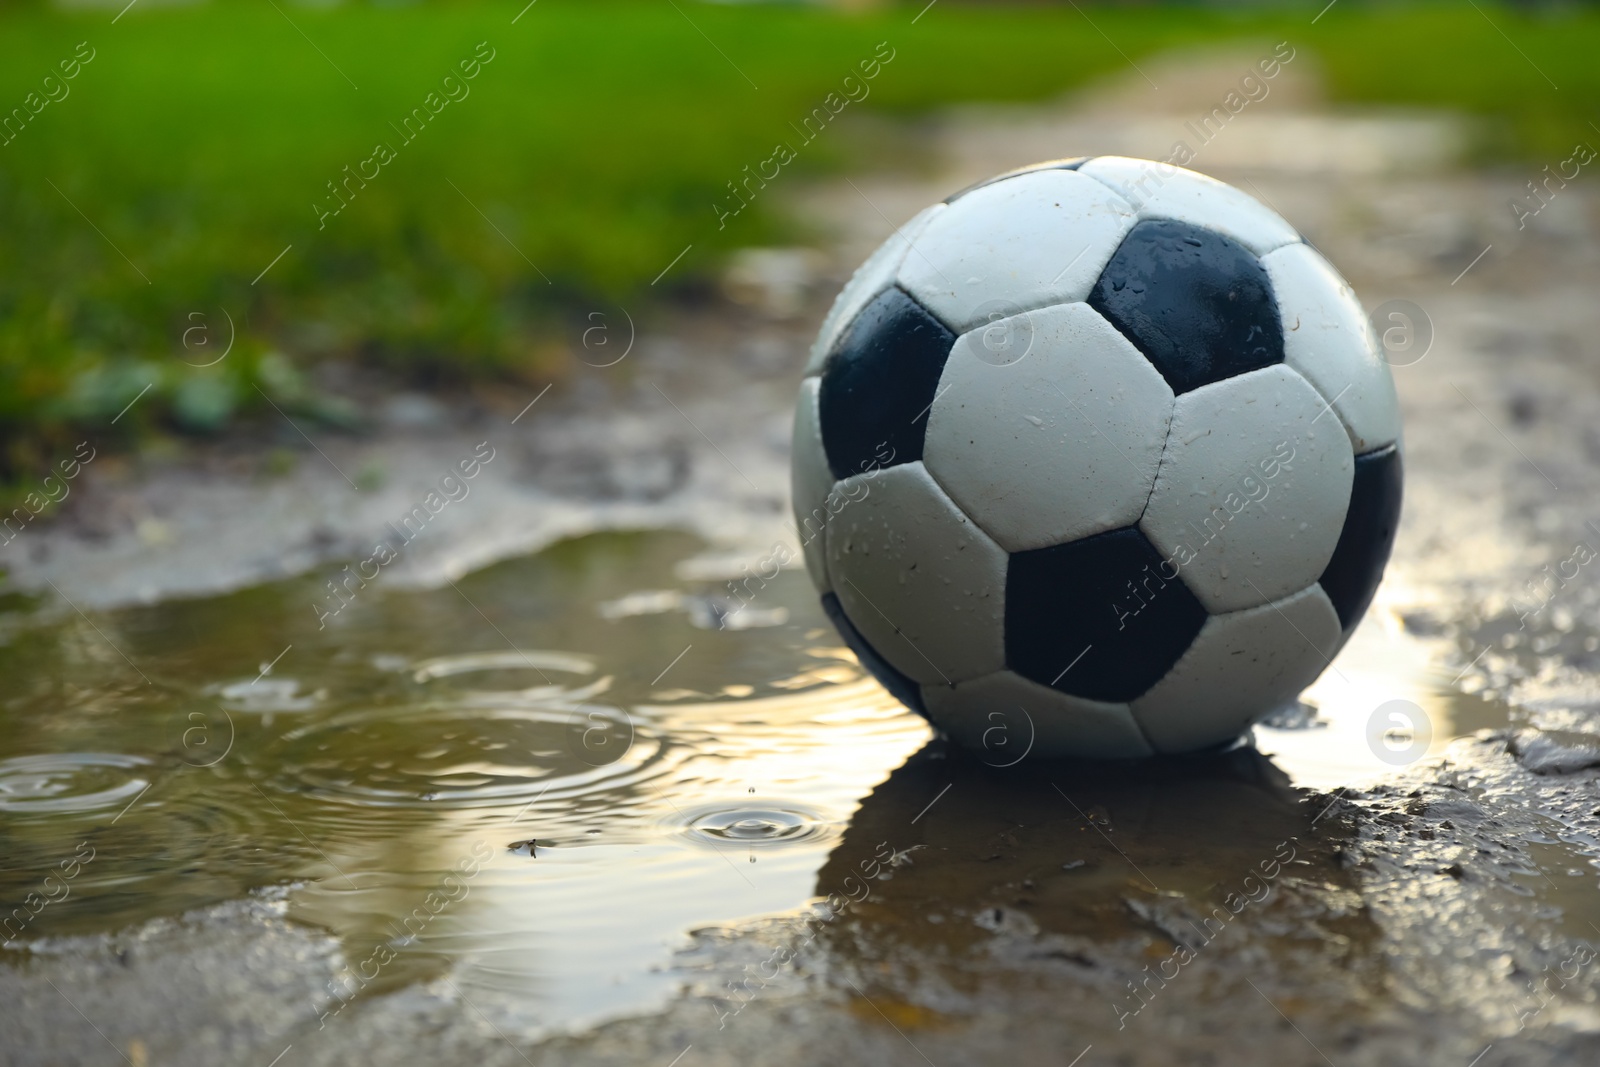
[500, 663]
[68, 782]
[192, 840]
[754, 825]
[469, 746]
[465, 757]
[460, 757]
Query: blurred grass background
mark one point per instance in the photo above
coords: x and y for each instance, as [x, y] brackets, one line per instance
[595, 142]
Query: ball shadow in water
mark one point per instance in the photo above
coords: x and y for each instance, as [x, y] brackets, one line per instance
[1125, 857]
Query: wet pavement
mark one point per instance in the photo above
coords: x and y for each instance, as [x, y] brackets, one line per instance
[548, 789]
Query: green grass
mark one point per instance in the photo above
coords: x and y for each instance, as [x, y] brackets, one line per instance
[595, 142]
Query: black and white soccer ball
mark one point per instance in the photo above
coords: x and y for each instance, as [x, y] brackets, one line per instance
[1097, 458]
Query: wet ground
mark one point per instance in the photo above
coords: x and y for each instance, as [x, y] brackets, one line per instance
[542, 791]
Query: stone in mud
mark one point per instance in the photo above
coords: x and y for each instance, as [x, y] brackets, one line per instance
[1555, 751]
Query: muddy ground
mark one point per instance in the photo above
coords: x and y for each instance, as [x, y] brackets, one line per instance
[1197, 913]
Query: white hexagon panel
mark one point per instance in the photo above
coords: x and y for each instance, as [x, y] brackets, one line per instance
[920, 581]
[1327, 338]
[1253, 489]
[1033, 240]
[1048, 426]
[1240, 664]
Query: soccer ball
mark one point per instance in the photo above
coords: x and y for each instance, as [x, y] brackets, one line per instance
[1097, 458]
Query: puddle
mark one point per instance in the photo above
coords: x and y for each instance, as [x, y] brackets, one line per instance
[657, 776]
[538, 779]
[1563, 879]
[1387, 701]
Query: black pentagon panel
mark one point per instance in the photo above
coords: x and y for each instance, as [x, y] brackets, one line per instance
[879, 382]
[1054, 164]
[1198, 304]
[1109, 594]
[1353, 573]
[899, 686]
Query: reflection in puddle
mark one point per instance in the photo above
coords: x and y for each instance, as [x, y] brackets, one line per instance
[1386, 702]
[669, 777]
[1064, 848]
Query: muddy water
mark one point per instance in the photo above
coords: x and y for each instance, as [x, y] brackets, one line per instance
[537, 780]
[397, 763]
